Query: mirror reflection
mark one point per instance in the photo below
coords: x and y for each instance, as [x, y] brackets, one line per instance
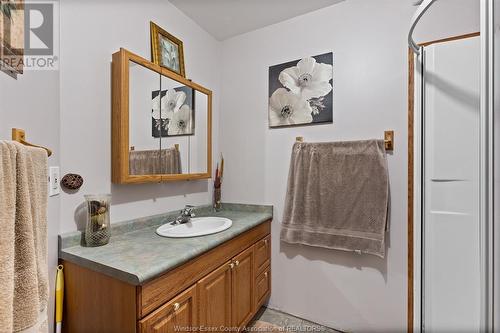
[168, 125]
[144, 154]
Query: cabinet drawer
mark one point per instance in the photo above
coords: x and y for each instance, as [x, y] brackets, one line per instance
[178, 314]
[262, 254]
[262, 286]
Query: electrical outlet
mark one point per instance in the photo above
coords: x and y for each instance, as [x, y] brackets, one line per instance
[54, 187]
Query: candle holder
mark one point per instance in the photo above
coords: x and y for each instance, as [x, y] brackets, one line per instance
[97, 229]
[217, 198]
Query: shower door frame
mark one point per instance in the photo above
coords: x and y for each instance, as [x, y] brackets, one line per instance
[414, 282]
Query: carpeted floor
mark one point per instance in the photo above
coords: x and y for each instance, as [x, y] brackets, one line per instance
[268, 320]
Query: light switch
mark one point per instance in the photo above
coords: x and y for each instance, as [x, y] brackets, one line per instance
[54, 188]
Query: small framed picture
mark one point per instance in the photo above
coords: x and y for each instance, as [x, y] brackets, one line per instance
[167, 50]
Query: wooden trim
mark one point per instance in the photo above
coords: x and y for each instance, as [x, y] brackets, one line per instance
[141, 179]
[120, 121]
[158, 291]
[209, 135]
[450, 39]
[411, 171]
[119, 128]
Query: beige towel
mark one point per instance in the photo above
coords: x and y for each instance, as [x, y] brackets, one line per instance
[338, 196]
[153, 162]
[26, 275]
[8, 155]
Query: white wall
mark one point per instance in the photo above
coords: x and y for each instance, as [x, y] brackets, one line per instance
[91, 31]
[369, 42]
[32, 103]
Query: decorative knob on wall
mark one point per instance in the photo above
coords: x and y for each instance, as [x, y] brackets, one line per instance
[72, 181]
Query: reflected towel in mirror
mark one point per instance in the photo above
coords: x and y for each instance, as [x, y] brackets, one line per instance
[154, 162]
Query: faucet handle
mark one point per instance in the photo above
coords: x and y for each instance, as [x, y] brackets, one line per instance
[188, 210]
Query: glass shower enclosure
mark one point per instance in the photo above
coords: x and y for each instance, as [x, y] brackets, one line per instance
[452, 161]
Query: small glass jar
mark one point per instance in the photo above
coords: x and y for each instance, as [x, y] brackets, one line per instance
[98, 228]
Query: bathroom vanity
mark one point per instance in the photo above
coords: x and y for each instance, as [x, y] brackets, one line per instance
[142, 282]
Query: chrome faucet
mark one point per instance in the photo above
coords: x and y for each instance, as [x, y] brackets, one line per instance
[185, 216]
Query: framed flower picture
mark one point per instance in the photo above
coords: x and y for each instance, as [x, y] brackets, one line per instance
[172, 113]
[167, 50]
[301, 92]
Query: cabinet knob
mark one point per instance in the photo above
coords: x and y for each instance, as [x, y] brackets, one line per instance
[176, 306]
[265, 241]
[231, 265]
[265, 274]
[236, 262]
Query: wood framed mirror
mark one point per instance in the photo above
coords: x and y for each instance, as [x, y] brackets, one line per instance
[161, 123]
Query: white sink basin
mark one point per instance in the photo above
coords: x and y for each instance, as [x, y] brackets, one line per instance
[198, 226]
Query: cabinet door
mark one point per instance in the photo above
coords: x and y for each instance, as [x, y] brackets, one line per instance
[243, 285]
[178, 315]
[214, 292]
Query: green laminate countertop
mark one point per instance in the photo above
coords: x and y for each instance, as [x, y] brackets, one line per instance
[136, 254]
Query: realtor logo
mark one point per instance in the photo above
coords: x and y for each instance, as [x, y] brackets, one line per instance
[29, 36]
[39, 29]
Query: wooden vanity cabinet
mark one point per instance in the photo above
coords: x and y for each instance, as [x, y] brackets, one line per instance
[224, 287]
